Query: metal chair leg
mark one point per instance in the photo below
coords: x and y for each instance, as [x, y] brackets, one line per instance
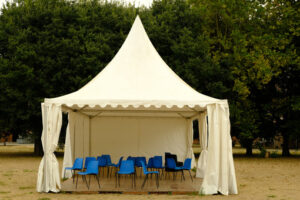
[157, 180]
[132, 180]
[191, 175]
[76, 181]
[98, 181]
[145, 181]
[84, 178]
[116, 180]
[119, 179]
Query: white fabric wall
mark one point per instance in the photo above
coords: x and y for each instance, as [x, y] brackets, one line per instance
[138, 136]
[48, 173]
[201, 165]
[77, 142]
[190, 139]
[68, 157]
[79, 135]
[219, 172]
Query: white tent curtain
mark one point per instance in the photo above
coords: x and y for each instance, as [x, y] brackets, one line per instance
[48, 174]
[219, 173]
[68, 159]
[190, 152]
[80, 135]
[202, 124]
[77, 142]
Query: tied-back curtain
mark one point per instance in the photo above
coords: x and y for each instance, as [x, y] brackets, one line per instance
[190, 152]
[202, 124]
[48, 174]
[219, 173]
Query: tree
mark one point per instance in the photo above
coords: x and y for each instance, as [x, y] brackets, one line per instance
[281, 95]
[50, 48]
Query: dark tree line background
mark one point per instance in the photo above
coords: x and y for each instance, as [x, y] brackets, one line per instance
[244, 51]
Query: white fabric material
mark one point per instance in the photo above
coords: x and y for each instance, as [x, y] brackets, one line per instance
[201, 165]
[190, 136]
[68, 159]
[219, 173]
[138, 136]
[136, 76]
[79, 135]
[48, 174]
[77, 143]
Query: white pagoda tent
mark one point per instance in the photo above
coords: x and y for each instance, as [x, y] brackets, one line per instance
[138, 106]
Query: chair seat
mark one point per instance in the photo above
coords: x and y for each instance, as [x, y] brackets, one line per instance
[159, 167]
[125, 172]
[69, 168]
[178, 168]
[86, 173]
[151, 172]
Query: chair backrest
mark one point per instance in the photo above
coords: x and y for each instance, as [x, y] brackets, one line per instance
[174, 156]
[92, 167]
[150, 163]
[78, 164]
[107, 157]
[157, 162]
[127, 166]
[143, 166]
[87, 160]
[102, 162]
[166, 156]
[138, 161]
[120, 161]
[171, 164]
[131, 158]
[187, 164]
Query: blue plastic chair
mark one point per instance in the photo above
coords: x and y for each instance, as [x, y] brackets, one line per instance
[108, 159]
[150, 163]
[157, 164]
[92, 169]
[171, 164]
[87, 160]
[102, 162]
[147, 173]
[117, 166]
[131, 158]
[187, 165]
[138, 163]
[78, 164]
[108, 162]
[126, 168]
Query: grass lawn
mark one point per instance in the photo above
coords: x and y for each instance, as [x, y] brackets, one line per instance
[257, 178]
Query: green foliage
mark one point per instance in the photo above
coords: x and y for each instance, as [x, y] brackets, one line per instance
[243, 51]
[50, 48]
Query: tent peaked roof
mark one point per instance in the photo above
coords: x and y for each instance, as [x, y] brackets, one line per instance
[136, 76]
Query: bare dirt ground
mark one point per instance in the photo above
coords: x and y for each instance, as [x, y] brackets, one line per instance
[257, 178]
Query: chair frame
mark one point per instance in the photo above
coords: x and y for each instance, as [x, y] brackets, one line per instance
[147, 173]
[94, 174]
[74, 170]
[133, 175]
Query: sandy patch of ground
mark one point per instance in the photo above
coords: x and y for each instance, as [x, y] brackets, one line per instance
[257, 178]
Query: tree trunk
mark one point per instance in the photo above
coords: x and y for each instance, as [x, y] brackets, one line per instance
[38, 148]
[249, 150]
[285, 145]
